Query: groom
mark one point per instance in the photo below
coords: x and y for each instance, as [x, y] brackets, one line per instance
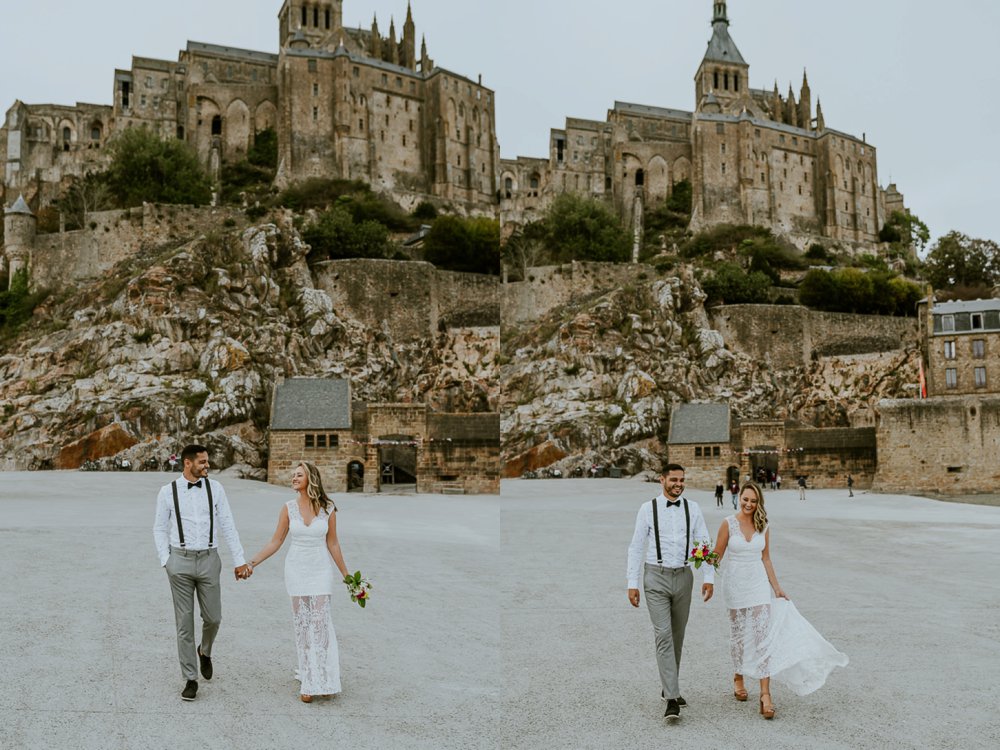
[665, 530]
[190, 512]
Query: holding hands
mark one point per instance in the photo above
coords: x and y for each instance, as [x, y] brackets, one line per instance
[244, 572]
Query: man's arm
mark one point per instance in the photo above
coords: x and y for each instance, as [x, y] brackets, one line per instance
[161, 526]
[636, 550]
[700, 532]
[227, 527]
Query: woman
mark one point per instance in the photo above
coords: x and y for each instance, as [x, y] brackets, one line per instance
[311, 519]
[768, 637]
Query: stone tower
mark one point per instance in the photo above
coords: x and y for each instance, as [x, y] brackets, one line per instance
[317, 20]
[19, 237]
[723, 74]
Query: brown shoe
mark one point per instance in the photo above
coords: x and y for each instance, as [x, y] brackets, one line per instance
[306, 698]
[768, 711]
[738, 689]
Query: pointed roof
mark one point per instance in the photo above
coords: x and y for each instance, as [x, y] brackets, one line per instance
[20, 207]
[721, 47]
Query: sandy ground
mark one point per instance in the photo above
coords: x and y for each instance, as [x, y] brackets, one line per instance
[87, 645]
[906, 586]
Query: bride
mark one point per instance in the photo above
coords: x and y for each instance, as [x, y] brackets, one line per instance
[311, 520]
[768, 636]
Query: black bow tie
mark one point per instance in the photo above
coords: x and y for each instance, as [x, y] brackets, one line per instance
[674, 504]
[194, 484]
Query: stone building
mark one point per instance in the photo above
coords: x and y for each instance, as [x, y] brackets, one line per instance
[947, 443]
[714, 446]
[346, 103]
[752, 156]
[369, 447]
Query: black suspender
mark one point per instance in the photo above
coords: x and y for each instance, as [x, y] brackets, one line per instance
[687, 533]
[211, 513]
[177, 513]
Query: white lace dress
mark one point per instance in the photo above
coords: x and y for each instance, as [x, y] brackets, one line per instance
[768, 636]
[309, 580]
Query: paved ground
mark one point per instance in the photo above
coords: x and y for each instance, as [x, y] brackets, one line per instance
[907, 587]
[87, 649]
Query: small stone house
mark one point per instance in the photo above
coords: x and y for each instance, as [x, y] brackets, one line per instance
[371, 447]
[700, 441]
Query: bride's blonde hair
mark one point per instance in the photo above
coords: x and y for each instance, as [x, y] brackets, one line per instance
[314, 490]
[759, 514]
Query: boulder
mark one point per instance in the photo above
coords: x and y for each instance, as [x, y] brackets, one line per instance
[106, 441]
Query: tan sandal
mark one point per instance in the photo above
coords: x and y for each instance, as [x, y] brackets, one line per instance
[767, 713]
[306, 698]
[738, 689]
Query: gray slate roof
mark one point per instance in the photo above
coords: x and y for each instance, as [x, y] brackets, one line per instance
[312, 404]
[647, 110]
[971, 305]
[19, 207]
[699, 423]
[721, 46]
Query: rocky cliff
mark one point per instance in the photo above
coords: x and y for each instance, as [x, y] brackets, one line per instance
[593, 381]
[184, 343]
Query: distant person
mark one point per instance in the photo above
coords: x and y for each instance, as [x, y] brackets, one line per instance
[768, 637]
[665, 529]
[777, 480]
[802, 487]
[850, 486]
[719, 489]
[190, 512]
[734, 490]
[172, 461]
[774, 480]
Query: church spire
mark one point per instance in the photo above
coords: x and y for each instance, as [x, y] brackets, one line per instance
[720, 14]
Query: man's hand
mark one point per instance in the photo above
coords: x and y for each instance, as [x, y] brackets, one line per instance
[243, 572]
[707, 589]
[633, 597]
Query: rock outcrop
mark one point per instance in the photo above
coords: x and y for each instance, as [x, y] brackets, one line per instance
[184, 343]
[593, 382]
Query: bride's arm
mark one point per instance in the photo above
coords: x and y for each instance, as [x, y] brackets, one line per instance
[722, 541]
[276, 541]
[765, 556]
[333, 544]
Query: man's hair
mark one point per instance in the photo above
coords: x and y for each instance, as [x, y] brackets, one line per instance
[667, 468]
[191, 452]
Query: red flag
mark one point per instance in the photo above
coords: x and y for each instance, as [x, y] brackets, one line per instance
[923, 381]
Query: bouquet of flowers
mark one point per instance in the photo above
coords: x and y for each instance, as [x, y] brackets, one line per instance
[359, 588]
[702, 553]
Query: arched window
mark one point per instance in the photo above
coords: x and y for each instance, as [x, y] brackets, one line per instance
[727, 81]
[508, 186]
[67, 136]
[640, 178]
[95, 132]
[217, 125]
[715, 79]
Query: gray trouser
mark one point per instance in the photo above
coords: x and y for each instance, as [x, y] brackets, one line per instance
[668, 598]
[191, 571]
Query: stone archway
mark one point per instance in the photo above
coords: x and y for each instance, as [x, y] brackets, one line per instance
[397, 460]
[356, 476]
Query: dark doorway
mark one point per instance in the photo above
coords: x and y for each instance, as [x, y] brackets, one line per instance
[397, 457]
[355, 476]
[763, 463]
[733, 475]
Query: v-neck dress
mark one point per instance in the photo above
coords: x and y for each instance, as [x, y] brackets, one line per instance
[768, 637]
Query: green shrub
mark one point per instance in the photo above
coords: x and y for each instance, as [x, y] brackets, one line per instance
[147, 168]
[335, 235]
[264, 151]
[731, 285]
[425, 211]
[578, 228]
[17, 304]
[467, 245]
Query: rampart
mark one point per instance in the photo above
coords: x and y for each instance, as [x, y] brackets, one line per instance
[409, 300]
[791, 336]
[549, 287]
[110, 237]
[942, 445]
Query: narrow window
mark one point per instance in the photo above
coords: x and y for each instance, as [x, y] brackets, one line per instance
[715, 79]
[736, 81]
[978, 348]
[315, 89]
[333, 440]
[312, 65]
[357, 72]
[723, 146]
[411, 126]
[315, 114]
[723, 167]
[508, 185]
[387, 120]
[716, 451]
[180, 132]
[640, 178]
[399, 82]
[321, 441]
[404, 140]
[980, 375]
[217, 125]
[328, 19]
[385, 79]
[310, 441]
[726, 81]
[949, 350]
[316, 17]
[951, 377]
[361, 125]
[947, 322]
[697, 451]
[305, 17]
[720, 129]
[977, 321]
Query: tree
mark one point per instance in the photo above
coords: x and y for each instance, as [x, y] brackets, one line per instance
[730, 285]
[524, 249]
[578, 228]
[147, 168]
[958, 260]
[335, 235]
[264, 151]
[84, 195]
[905, 230]
[467, 245]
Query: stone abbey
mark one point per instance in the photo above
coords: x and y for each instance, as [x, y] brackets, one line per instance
[345, 102]
[752, 156]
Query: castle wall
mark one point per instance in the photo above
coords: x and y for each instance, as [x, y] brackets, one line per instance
[549, 287]
[791, 336]
[944, 445]
[113, 236]
[409, 300]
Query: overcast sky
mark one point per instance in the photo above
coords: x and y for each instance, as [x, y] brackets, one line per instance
[919, 79]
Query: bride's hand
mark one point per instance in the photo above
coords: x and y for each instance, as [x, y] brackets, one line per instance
[779, 594]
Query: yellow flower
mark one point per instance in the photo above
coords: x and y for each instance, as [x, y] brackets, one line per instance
[699, 554]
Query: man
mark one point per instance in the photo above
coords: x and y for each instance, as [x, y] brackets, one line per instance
[719, 489]
[191, 513]
[802, 486]
[665, 530]
[850, 485]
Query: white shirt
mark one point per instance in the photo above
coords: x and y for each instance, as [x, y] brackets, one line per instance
[193, 503]
[673, 536]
